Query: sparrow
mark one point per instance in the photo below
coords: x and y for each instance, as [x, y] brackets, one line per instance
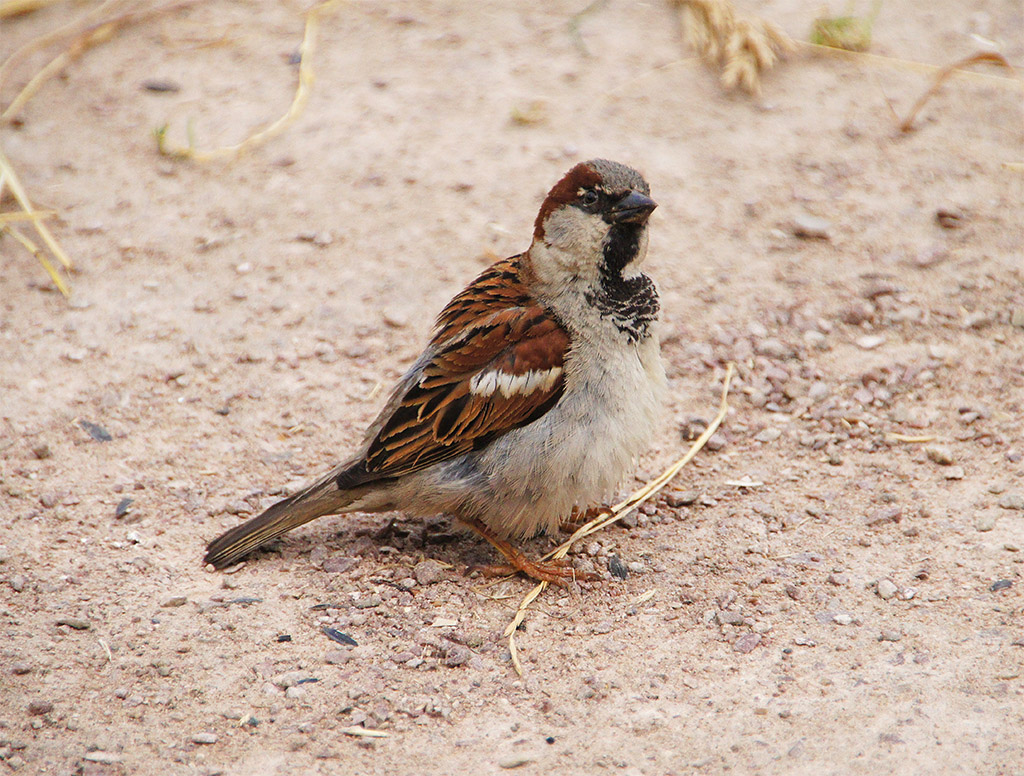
[541, 384]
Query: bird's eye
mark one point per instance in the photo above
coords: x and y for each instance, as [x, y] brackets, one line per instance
[589, 198]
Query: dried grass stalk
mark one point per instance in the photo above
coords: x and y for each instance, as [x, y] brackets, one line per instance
[78, 36]
[10, 8]
[614, 514]
[9, 179]
[985, 56]
[744, 47]
[276, 128]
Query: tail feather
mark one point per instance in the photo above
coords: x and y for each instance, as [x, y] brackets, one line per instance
[320, 498]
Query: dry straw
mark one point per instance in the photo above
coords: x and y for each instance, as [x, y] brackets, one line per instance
[9, 180]
[277, 127]
[940, 77]
[613, 515]
[744, 47]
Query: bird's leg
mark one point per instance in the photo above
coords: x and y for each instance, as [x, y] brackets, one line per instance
[543, 571]
[580, 516]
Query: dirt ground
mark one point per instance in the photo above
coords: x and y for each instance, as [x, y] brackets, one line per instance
[821, 593]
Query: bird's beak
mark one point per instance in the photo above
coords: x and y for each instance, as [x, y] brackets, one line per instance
[634, 208]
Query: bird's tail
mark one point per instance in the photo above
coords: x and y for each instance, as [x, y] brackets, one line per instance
[321, 498]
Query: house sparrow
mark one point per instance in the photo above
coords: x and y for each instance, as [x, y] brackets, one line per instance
[540, 386]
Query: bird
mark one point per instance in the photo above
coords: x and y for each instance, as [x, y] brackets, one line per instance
[540, 386]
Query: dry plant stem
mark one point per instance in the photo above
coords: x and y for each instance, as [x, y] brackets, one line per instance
[985, 56]
[73, 27]
[10, 179]
[306, 79]
[894, 437]
[34, 249]
[90, 36]
[27, 215]
[18, 7]
[615, 514]
[909, 64]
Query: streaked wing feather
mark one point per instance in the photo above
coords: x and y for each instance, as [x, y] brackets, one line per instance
[492, 329]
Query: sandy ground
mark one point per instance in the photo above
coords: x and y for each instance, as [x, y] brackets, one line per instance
[815, 595]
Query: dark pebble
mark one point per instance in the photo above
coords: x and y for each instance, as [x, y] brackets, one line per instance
[617, 567]
[284, 637]
[1001, 584]
[38, 708]
[341, 638]
[96, 431]
[457, 656]
[160, 85]
[123, 507]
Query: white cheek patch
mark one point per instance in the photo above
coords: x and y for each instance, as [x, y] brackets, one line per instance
[495, 381]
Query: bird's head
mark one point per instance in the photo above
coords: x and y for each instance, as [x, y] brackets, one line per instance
[592, 225]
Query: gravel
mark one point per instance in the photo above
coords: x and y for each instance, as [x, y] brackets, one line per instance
[1012, 501]
[939, 454]
[810, 227]
[428, 572]
[886, 589]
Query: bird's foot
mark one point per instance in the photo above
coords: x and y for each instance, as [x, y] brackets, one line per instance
[553, 571]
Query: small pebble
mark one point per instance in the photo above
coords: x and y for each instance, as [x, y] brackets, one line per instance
[38, 708]
[396, 317]
[204, 738]
[870, 341]
[1012, 501]
[74, 622]
[843, 619]
[295, 693]
[1001, 584]
[457, 655]
[288, 679]
[811, 227]
[160, 85]
[729, 618]
[985, 522]
[617, 567]
[99, 756]
[890, 635]
[339, 565]
[886, 589]
[939, 454]
[515, 761]
[747, 643]
[684, 499]
[955, 473]
[177, 600]
[949, 217]
[428, 572]
[20, 669]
